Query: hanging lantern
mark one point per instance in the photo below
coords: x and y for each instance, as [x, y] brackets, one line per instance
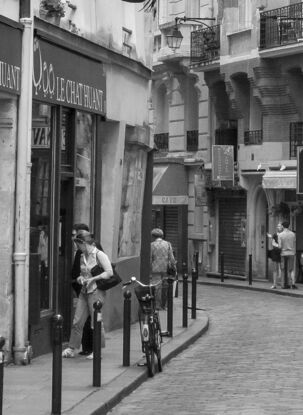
[174, 39]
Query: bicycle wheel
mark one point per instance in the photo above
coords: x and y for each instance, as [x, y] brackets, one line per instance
[150, 359]
[157, 345]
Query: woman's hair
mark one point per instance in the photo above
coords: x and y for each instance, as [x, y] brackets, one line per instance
[84, 237]
[157, 233]
[275, 237]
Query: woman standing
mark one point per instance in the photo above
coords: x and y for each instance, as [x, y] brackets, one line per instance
[89, 293]
[161, 256]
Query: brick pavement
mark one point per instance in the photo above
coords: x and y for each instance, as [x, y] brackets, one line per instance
[250, 361]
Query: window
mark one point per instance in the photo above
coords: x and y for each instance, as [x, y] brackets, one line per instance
[126, 38]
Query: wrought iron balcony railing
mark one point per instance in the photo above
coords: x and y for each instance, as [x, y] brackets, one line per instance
[205, 45]
[253, 137]
[281, 26]
[295, 137]
[192, 138]
[161, 141]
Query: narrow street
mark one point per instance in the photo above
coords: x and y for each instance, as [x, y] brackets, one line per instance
[249, 362]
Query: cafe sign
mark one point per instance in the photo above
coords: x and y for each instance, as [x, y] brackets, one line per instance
[10, 59]
[65, 78]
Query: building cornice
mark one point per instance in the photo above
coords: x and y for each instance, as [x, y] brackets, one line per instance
[70, 41]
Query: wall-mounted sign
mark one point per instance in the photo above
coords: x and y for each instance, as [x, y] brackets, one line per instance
[66, 78]
[170, 200]
[223, 163]
[200, 190]
[10, 59]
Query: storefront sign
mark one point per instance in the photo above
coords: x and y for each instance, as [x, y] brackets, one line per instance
[170, 200]
[10, 59]
[62, 77]
[223, 163]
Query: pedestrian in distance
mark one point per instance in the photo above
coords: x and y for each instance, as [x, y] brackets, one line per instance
[287, 244]
[89, 294]
[161, 257]
[275, 255]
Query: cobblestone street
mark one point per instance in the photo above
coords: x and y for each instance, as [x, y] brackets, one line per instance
[250, 362]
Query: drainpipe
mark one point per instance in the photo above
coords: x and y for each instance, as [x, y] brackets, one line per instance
[20, 255]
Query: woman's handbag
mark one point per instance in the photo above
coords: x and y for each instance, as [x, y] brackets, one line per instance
[171, 263]
[105, 284]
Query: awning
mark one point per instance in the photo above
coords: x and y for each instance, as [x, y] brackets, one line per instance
[286, 179]
[169, 185]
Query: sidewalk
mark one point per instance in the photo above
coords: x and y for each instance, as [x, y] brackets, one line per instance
[28, 389]
[257, 285]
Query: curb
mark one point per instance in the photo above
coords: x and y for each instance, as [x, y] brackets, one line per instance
[252, 288]
[133, 376]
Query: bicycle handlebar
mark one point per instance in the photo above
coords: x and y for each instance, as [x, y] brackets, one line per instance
[134, 280]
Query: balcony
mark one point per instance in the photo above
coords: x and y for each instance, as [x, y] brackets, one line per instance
[253, 137]
[161, 141]
[227, 137]
[295, 138]
[205, 46]
[192, 138]
[283, 26]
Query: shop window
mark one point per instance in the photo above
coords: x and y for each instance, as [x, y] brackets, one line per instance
[40, 204]
[84, 168]
[132, 201]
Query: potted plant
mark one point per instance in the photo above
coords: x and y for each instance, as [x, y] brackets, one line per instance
[53, 8]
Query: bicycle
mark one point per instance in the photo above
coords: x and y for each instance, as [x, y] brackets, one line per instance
[149, 321]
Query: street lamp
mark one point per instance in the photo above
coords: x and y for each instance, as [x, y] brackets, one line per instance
[174, 39]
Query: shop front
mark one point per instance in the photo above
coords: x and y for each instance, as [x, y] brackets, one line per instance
[170, 206]
[68, 105]
[285, 204]
[10, 87]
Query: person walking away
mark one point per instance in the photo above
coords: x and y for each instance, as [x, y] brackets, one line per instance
[161, 256]
[89, 293]
[276, 256]
[287, 244]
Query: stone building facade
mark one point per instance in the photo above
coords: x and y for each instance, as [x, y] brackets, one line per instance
[75, 148]
[235, 82]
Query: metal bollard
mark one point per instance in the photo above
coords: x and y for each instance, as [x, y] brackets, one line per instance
[250, 269]
[286, 285]
[177, 285]
[185, 299]
[2, 343]
[194, 277]
[57, 364]
[222, 266]
[97, 344]
[126, 328]
[170, 300]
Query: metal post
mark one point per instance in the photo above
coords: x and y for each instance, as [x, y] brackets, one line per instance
[286, 285]
[194, 276]
[250, 269]
[222, 266]
[126, 328]
[185, 299]
[170, 307]
[57, 364]
[177, 285]
[2, 342]
[97, 344]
